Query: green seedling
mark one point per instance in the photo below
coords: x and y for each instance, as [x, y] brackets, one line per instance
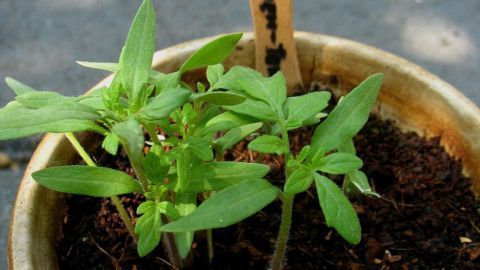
[175, 137]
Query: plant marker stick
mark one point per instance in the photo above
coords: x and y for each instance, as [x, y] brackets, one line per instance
[274, 43]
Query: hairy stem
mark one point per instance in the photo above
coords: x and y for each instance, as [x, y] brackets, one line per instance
[137, 167]
[282, 238]
[286, 219]
[115, 199]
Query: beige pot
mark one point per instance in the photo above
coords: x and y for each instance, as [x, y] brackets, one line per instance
[417, 100]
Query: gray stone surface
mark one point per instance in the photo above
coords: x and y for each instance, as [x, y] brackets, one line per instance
[40, 40]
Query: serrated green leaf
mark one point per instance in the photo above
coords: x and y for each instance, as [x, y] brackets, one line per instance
[112, 67]
[220, 98]
[60, 126]
[298, 181]
[131, 137]
[338, 163]
[136, 57]
[227, 120]
[39, 99]
[360, 181]
[271, 90]
[18, 87]
[338, 211]
[110, 143]
[299, 109]
[227, 207]
[200, 147]
[155, 166]
[235, 135]
[185, 203]
[268, 144]
[166, 102]
[219, 175]
[255, 108]
[211, 53]
[236, 73]
[214, 72]
[348, 117]
[18, 121]
[164, 82]
[87, 180]
[148, 227]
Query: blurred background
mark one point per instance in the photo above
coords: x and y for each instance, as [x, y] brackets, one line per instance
[40, 41]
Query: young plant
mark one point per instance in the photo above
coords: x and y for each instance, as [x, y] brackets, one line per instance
[176, 167]
[188, 129]
[331, 152]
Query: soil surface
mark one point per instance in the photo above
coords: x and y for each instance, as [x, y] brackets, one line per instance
[427, 218]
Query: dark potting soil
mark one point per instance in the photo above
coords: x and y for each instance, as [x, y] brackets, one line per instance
[427, 218]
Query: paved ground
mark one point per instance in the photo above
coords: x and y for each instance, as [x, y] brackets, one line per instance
[40, 40]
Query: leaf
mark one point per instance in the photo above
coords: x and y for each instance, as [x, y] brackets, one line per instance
[236, 73]
[136, 57]
[164, 82]
[360, 181]
[303, 153]
[227, 207]
[200, 147]
[211, 53]
[18, 87]
[255, 108]
[227, 120]
[87, 180]
[235, 135]
[112, 67]
[60, 126]
[271, 90]
[39, 99]
[348, 117]
[18, 121]
[338, 211]
[298, 181]
[338, 163]
[220, 98]
[110, 143]
[185, 203]
[148, 227]
[219, 175]
[268, 144]
[214, 72]
[131, 137]
[302, 108]
[166, 102]
[155, 166]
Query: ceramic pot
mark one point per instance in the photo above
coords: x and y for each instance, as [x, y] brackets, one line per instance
[414, 98]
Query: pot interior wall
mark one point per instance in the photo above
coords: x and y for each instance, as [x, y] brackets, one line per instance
[414, 98]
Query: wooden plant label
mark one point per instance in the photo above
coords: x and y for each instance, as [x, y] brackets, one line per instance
[274, 44]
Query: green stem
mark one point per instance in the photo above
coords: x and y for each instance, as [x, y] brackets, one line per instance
[210, 245]
[287, 209]
[137, 167]
[153, 134]
[282, 238]
[115, 199]
[80, 150]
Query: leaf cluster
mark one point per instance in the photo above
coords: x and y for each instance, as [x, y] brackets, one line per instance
[175, 135]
